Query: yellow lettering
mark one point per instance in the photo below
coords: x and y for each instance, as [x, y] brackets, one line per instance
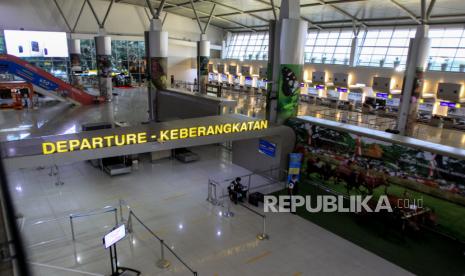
[264, 124]
[250, 125]
[164, 135]
[183, 133]
[61, 146]
[120, 140]
[48, 148]
[97, 142]
[236, 127]
[108, 140]
[131, 139]
[174, 134]
[244, 126]
[141, 137]
[210, 130]
[227, 128]
[85, 144]
[73, 144]
[192, 132]
[201, 131]
[256, 125]
[218, 129]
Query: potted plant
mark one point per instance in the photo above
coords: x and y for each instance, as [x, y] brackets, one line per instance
[312, 60]
[462, 68]
[323, 60]
[346, 61]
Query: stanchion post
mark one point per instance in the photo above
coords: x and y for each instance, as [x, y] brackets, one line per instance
[130, 222]
[163, 263]
[121, 210]
[263, 235]
[72, 226]
[116, 216]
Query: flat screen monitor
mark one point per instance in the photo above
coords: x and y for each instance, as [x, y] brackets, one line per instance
[36, 44]
[248, 81]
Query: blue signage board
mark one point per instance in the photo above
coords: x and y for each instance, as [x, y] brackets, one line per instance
[267, 148]
[295, 163]
[29, 75]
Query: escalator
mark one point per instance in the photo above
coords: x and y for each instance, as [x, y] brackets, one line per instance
[45, 83]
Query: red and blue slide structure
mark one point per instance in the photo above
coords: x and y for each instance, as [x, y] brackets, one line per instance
[43, 80]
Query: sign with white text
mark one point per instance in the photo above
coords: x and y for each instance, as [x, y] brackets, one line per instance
[114, 236]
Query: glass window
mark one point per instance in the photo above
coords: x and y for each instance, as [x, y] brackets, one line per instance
[248, 46]
[447, 48]
[386, 47]
[326, 46]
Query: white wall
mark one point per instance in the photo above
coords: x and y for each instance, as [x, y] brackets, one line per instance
[124, 22]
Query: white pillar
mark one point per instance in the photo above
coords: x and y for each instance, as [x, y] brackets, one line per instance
[203, 58]
[413, 80]
[103, 51]
[353, 52]
[156, 44]
[287, 63]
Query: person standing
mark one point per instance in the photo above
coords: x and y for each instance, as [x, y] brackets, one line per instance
[292, 189]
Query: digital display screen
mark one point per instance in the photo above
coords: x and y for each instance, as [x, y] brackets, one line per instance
[449, 104]
[382, 95]
[340, 89]
[36, 44]
[224, 78]
[320, 87]
[248, 81]
[114, 236]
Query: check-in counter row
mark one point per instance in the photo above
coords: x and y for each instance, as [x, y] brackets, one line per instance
[443, 108]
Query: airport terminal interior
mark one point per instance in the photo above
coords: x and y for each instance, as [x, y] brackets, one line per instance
[232, 137]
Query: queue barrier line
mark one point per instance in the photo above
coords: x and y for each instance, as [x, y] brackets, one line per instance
[162, 262]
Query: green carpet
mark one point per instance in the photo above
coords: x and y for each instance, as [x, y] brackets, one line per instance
[424, 254]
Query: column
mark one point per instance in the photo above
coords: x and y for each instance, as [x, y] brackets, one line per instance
[288, 62]
[74, 48]
[156, 45]
[353, 52]
[103, 50]
[203, 57]
[413, 81]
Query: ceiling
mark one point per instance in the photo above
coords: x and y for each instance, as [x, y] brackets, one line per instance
[254, 15]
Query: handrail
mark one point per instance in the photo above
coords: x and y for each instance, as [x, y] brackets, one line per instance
[162, 263]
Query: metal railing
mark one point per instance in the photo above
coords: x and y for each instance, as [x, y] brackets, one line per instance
[162, 262]
[355, 118]
[122, 205]
[263, 235]
[219, 200]
[214, 186]
[105, 210]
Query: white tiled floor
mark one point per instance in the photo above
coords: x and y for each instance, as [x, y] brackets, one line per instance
[170, 198]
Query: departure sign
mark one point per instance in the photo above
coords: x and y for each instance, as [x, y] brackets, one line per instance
[162, 135]
[114, 236]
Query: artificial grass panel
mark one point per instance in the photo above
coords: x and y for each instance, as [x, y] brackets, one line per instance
[425, 254]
